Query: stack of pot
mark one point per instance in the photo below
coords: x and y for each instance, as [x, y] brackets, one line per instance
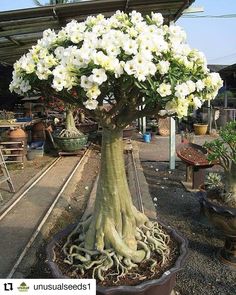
[18, 135]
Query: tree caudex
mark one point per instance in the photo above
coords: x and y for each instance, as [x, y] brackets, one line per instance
[111, 68]
[223, 150]
[70, 131]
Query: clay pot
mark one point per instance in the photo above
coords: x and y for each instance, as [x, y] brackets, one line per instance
[222, 218]
[200, 129]
[162, 286]
[163, 126]
[17, 133]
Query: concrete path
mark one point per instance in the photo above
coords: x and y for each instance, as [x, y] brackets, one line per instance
[17, 227]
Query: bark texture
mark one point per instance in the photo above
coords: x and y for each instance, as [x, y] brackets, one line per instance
[70, 130]
[116, 233]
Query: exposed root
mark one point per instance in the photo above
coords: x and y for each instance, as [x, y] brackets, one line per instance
[149, 237]
[71, 132]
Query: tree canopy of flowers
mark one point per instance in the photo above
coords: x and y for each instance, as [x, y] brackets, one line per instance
[125, 61]
[122, 56]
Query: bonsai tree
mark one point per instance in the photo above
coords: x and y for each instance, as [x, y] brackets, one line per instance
[223, 150]
[70, 129]
[125, 61]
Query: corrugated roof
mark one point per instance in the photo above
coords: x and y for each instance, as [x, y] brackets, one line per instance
[20, 29]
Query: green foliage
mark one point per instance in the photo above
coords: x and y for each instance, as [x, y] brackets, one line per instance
[223, 149]
[213, 181]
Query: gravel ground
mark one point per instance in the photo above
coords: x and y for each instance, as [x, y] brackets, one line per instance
[203, 273]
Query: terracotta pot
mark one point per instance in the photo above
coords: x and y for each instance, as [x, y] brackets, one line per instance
[223, 218]
[200, 129]
[161, 286]
[21, 136]
[164, 126]
[17, 133]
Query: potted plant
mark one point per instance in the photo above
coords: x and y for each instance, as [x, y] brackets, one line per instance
[200, 127]
[70, 139]
[139, 67]
[219, 202]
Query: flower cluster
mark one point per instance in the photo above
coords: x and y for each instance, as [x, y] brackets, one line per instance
[86, 57]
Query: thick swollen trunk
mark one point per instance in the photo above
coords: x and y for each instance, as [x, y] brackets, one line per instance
[70, 131]
[115, 219]
[70, 122]
[116, 236]
[230, 182]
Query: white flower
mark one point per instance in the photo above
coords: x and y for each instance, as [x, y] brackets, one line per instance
[136, 17]
[60, 71]
[176, 34]
[164, 89]
[197, 103]
[93, 92]
[27, 63]
[130, 47]
[85, 82]
[191, 86]
[42, 71]
[91, 104]
[163, 67]
[129, 67]
[200, 85]
[99, 76]
[58, 84]
[113, 50]
[157, 18]
[181, 90]
[49, 37]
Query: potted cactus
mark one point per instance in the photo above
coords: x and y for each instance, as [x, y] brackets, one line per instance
[139, 67]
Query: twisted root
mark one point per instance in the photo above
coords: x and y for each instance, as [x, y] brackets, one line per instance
[150, 238]
[71, 132]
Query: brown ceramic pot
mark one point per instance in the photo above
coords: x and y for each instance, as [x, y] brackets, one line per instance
[162, 286]
[17, 133]
[200, 129]
[20, 135]
[224, 219]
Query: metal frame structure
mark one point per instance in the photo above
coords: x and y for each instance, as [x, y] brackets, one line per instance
[20, 29]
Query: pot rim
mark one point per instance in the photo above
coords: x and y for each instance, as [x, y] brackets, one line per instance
[77, 137]
[202, 195]
[183, 253]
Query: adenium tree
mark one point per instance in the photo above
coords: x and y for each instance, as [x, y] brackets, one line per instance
[70, 130]
[125, 61]
[223, 150]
